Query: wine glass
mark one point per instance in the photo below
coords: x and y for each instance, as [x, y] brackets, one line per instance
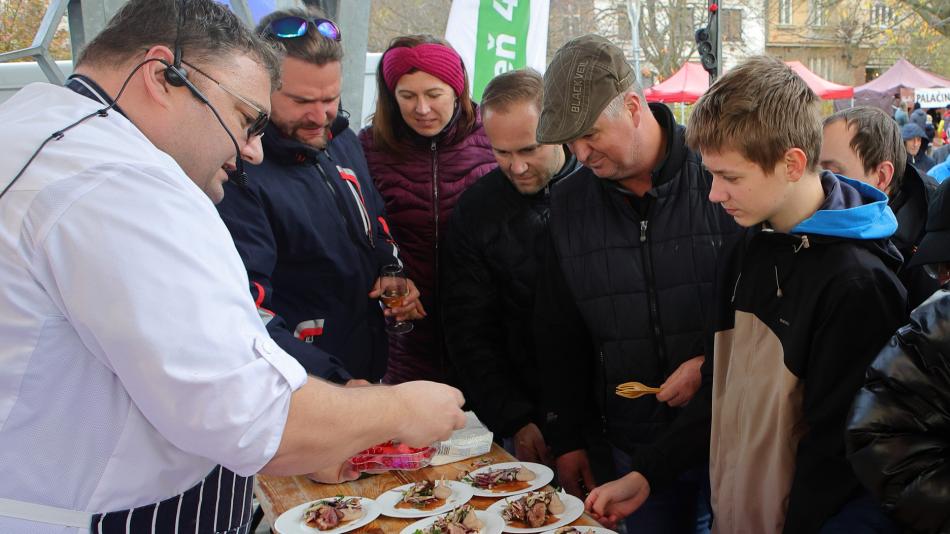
[395, 288]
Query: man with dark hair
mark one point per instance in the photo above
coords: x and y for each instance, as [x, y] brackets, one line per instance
[309, 225]
[864, 144]
[139, 389]
[630, 272]
[492, 253]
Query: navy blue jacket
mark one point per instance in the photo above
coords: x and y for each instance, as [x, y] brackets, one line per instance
[310, 230]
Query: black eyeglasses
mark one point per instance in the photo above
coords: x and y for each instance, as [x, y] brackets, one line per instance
[260, 123]
[293, 27]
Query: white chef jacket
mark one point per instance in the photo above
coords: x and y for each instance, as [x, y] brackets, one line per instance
[132, 358]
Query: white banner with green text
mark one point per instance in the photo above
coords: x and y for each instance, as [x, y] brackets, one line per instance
[495, 36]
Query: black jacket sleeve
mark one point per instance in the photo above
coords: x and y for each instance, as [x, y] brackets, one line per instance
[246, 218]
[475, 333]
[857, 316]
[899, 427]
[565, 357]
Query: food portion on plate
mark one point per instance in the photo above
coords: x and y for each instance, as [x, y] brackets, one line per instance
[425, 495]
[533, 510]
[329, 514]
[501, 480]
[462, 520]
[573, 530]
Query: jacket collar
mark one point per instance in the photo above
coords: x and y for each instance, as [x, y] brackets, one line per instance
[672, 161]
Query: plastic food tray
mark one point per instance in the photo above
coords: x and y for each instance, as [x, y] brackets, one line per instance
[391, 456]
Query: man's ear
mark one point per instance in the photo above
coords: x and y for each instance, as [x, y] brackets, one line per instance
[884, 175]
[796, 163]
[631, 101]
[153, 79]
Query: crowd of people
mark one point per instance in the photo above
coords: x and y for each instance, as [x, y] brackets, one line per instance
[175, 322]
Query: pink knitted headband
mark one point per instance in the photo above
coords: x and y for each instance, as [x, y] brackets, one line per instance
[438, 60]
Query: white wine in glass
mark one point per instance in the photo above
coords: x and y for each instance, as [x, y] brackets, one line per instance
[395, 288]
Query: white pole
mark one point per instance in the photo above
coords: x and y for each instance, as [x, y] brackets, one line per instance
[633, 15]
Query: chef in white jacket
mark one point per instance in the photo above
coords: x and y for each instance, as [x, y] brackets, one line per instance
[139, 389]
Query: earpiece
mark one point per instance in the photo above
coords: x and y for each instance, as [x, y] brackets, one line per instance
[176, 76]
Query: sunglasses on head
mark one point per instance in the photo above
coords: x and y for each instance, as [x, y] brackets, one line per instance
[293, 27]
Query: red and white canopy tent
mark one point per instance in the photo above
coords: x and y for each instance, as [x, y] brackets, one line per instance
[822, 87]
[691, 81]
[684, 86]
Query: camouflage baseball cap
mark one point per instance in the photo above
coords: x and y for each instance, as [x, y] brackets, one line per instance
[584, 76]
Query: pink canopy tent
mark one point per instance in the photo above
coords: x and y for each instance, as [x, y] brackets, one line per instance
[880, 91]
[685, 85]
[902, 74]
[822, 87]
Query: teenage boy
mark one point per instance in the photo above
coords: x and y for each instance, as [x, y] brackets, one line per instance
[805, 297]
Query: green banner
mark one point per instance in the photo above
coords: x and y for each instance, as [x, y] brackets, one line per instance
[501, 42]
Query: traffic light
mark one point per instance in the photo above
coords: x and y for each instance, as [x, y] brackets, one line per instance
[707, 42]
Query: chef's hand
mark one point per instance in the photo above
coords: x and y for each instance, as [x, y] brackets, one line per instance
[411, 305]
[680, 387]
[573, 470]
[427, 412]
[610, 503]
[335, 475]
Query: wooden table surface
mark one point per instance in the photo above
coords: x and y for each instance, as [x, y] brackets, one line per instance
[279, 494]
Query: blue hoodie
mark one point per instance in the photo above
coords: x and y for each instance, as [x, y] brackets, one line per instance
[852, 209]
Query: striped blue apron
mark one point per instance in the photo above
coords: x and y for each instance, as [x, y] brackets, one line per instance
[219, 504]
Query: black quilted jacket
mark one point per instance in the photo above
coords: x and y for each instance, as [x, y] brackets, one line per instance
[899, 430]
[638, 284]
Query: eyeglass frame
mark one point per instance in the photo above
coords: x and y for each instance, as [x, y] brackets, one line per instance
[257, 127]
[316, 21]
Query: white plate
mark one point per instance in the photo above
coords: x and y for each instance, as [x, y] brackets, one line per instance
[493, 523]
[543, 476]
[461, 494]
[291, 521]
[585, 530]
[573, 508]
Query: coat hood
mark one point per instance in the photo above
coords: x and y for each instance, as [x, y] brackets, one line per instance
[852, 210]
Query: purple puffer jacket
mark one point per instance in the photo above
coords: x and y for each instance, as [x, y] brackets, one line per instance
[420, 188]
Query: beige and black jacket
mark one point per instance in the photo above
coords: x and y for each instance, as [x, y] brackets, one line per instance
[799, 317]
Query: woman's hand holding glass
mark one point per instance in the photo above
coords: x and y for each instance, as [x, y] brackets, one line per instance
[400, 296]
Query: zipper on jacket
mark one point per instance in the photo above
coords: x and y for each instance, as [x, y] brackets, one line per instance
[647, 255]
[339, 204]
[435, 207]
[603, 412]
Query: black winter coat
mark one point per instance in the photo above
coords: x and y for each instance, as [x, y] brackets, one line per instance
[491, 257]
[899, 427]
[910, 205]
[634, 288]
